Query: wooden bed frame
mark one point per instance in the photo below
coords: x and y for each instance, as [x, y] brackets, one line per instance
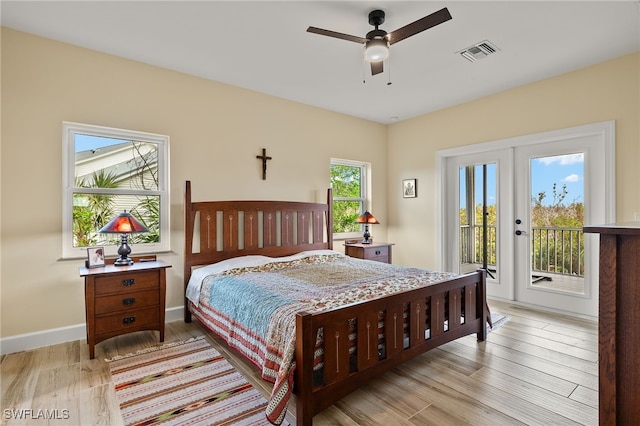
[449, 310]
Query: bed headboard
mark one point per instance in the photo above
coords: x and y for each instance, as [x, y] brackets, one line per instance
[218, 230]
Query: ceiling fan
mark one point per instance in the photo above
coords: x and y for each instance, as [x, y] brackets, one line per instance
[377, 42]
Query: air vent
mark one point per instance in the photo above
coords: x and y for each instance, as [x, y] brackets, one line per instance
[478, 51]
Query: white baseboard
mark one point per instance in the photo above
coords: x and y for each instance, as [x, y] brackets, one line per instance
[54, 336]
[544, 309]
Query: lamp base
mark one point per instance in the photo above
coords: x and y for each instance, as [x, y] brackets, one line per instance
[366, 237]
[124, 251]
[123, 261]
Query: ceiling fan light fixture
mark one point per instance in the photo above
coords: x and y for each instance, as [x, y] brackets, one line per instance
[376, 50]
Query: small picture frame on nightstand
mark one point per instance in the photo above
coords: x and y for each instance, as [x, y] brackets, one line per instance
[95, 257]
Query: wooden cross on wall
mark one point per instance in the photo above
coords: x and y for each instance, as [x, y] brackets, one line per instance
[264, 159]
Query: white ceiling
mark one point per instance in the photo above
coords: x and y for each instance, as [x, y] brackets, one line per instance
[264, 46]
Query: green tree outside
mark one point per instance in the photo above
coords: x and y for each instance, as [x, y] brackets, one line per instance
[347, 194]
[552, 249]
[92, 211]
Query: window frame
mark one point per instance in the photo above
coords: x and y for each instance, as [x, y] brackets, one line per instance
[364, 198]
[69, 132]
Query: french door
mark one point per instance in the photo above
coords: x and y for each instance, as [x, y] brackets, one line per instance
[478, 191]
[517, 207]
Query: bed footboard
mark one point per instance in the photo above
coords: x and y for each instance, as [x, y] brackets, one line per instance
[388, 331]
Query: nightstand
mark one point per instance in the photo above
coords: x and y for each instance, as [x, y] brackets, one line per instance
[380, 252]
[124, 299]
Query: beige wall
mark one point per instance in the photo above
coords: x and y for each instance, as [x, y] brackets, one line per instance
[607, 91]
[216, 131]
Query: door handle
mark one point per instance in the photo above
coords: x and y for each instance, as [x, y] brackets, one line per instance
[519, 232]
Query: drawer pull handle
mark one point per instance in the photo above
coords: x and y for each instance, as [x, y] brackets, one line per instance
[128, 320]
[377, 252]
[129, 282]
[129, 301]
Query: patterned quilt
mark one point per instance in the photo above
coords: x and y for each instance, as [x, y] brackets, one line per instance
[253, 308]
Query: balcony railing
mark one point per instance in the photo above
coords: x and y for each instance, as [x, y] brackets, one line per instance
[553, 250]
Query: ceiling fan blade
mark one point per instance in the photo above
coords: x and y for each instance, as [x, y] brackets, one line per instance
[429, 21]
[376, 67]
[335, 34]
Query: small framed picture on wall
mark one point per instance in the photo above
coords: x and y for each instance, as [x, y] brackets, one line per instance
[409, 189]
[95, 257]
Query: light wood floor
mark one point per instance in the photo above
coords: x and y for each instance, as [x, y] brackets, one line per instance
[538, 368]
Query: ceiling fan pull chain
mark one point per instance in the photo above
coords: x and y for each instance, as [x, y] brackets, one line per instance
[389, 69]
[364, 65]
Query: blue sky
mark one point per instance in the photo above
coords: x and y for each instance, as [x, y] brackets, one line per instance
[562, 170]
[86, 142]
[545, 171]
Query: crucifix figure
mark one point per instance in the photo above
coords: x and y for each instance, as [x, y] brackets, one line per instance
[264, 159]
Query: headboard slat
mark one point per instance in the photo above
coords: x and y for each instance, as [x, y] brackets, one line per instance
[251, 229]
[208, 231]
[318, 226]
[286, 219]
[303, 227]
[230, 230]
[270, 228]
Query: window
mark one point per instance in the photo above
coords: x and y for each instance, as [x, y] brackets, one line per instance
[107, 171]
[348, 181]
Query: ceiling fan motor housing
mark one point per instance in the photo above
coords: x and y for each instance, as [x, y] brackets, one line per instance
[376, 34]
[376, 18]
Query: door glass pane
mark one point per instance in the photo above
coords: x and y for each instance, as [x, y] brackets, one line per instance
[478, 201]
[557, 218]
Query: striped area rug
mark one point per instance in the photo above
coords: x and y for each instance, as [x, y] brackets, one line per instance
[185, 383]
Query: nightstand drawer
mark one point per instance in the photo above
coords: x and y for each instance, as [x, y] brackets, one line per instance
[381, 254]
[126, 320]
[109, 284]
[123, 302]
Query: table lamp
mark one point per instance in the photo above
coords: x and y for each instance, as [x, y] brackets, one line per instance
[366, 218]
[123, 224]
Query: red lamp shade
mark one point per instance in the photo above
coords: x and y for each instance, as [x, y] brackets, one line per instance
[123, 224]
[366, 218]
